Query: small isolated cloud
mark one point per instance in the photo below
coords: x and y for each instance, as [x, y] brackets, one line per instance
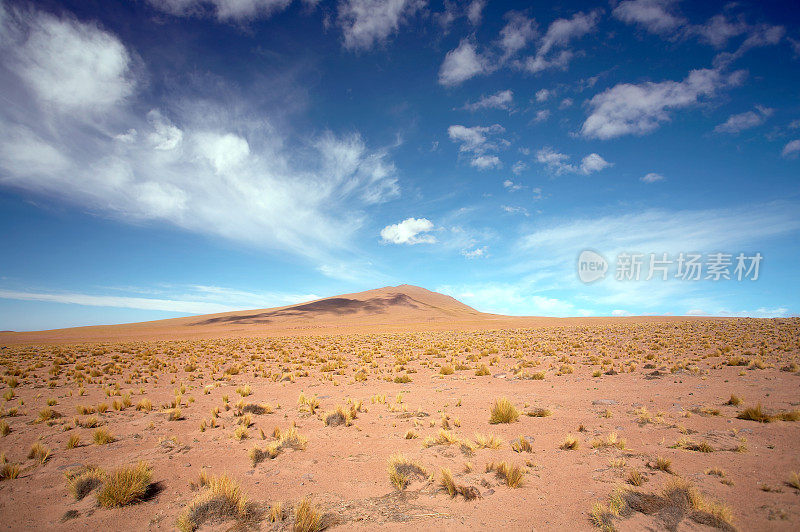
[462, 63]
[652, 177]
[791, 149]
[515, 210]
[696, 312]
[620, 313]
[542, 95]
[519, 167]
[537, 193]
[499, 100]
[631, 109]
[410, 231]
[474, 139]
[655, 16]
[477, 253]
[511, 186]
[485, 162]
[718, 30]
[742, 121]
[480, 141]
[559, 164]
[366, 23]
[541, 115]
[552, 51]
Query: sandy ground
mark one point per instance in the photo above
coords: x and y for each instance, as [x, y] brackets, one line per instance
[653, 384]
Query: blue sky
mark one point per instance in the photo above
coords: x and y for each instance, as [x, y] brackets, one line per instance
[175, 157]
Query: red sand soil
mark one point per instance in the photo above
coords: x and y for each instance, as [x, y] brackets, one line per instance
[659, 384]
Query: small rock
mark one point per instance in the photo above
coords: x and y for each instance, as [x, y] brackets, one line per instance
[604, 402]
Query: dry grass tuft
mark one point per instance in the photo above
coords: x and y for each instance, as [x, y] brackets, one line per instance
[503, 411]
[124, 486]
[39, 452]
[403, 470]
[490, 441]
[83, 480]
[307, 518]
[612, 440]
[102, 436]
[221, 500]
[570, 443]
[521, 445]
[512, 475]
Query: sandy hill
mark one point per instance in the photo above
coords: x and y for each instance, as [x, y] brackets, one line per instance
[402, 308]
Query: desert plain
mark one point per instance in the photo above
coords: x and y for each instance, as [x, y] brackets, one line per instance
[402, 409]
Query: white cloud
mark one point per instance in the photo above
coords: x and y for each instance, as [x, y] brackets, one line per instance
[519, 167]
[542, 95]
[653, 15]
[512, 299]
[638, 109]
[593, 163]
[511, 186]
[718, 30]
[143, 303]
[620, 313]
[475, 11]
[559, 34]
[485, 162]
[758, 36]
[546, 256]
[742, 121]
[559, 164]
[223, 10]
[477, 253]
[462, 63]
[541, 115]
[369, 22]
[516, 34]
[70, 66]
[652, 177]
[189, 164]
[475, 138]
[409, 231]
[164, 135]
[510, 209]
[196, 299]
[792, 149]
[499, 100]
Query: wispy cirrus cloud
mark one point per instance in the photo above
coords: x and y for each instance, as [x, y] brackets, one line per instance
[206, 168]
[197, 299]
